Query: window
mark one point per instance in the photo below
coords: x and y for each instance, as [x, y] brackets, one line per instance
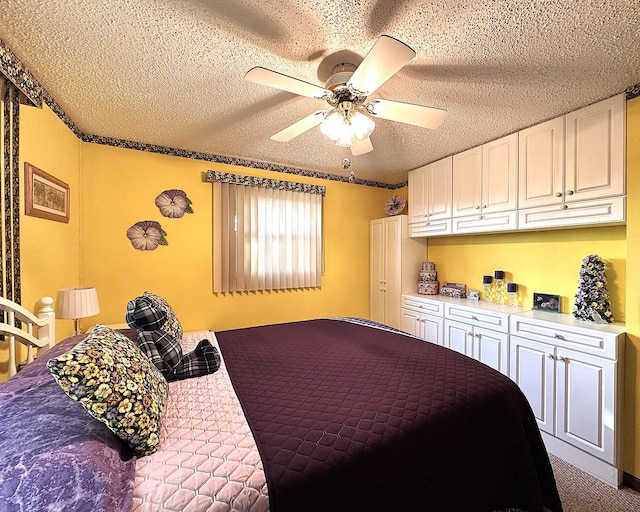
[267, 234]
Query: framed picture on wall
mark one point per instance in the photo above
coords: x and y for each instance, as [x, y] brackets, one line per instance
[46, 196]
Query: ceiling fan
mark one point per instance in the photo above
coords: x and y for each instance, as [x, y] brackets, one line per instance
[348, 120]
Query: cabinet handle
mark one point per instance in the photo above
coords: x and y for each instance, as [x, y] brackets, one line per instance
[477, 336]
[474, 317]
[558, 194]
[484, 205]
[564, 359]
[558, 336]
[477, 207]
[564, 207]
[551, 356]
[569, 192]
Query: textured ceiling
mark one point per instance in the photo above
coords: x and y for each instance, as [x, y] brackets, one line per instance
[170, 73]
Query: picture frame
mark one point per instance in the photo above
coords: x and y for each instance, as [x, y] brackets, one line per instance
[46, 196]
[546, 302]
[474, 295]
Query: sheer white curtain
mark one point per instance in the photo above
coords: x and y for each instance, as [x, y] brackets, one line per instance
[266, 238]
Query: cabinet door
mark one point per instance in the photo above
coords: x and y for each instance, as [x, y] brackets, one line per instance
[410, 322]
[532, 368]
[541, 164]
[392, 281]
[432, 327]
[439, 189]
[586, 403]
[500, 174]
[595, 150]
[376, 275]
[418, 203]
[467, 180]
[490, 348]
[458, 336]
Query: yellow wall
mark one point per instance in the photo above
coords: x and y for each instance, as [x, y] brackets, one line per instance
[119, 188]
[48, 250]
[544, 261]
[632, 376]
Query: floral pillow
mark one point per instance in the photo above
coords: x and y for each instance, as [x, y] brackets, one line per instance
[116, 384]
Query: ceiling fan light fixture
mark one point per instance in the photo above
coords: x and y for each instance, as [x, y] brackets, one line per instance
[362, 125]
[332, 125]
[346, 126]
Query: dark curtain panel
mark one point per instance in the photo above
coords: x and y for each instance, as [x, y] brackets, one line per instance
[10, 192]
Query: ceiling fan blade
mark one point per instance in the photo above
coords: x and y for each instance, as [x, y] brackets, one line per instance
[362, 146]
[300, 127]
[383, 61]
[417, 115]
[286, 83]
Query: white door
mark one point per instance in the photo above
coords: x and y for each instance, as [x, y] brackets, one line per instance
[439, 189]
[467, 180]
[392, 281]
[500, 174]
[532, 368]
[432, 327]
[410, 322]
[586, 401]
[595, 150]
[541, 164]
[490, 348]
[376, 272]
[458, 336]
[418, 203]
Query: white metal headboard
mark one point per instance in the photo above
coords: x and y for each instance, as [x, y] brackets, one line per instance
[43, 323]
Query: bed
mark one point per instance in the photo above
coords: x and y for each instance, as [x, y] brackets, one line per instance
[319, 415]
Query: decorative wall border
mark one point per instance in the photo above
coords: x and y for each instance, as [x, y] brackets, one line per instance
[255, 181]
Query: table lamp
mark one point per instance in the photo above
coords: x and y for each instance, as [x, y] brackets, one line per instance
[77, 303]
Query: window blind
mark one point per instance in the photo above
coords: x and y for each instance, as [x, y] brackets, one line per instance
[267, 234]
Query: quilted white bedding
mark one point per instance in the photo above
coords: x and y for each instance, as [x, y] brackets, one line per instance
[207, 459]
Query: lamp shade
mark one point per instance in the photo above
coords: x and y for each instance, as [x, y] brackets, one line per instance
[77, 303]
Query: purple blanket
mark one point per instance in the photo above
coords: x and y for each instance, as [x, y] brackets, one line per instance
[53, 454]
[349, 418]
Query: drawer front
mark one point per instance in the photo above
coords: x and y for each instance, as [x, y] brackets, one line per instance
[585, 340]
[430, 228]
[432, 307]
[489, 319]
[486, 223]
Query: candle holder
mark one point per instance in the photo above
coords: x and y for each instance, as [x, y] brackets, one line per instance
[499, 286]
[512, 294]
[487, 289]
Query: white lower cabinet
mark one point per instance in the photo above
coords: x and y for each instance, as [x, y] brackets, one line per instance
[422, 318]
[571, 373]
[480, 333]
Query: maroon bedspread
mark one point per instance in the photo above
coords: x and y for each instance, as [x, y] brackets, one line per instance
[351, 418]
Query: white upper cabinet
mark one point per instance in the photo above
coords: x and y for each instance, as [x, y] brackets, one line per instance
[568, 171]
[467, 182]
[572, 168]
[541, 164]
[430, 199]
[485, 187]
[595, 150]
[500, 174]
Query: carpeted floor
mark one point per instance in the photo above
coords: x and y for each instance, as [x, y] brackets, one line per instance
[580, 492]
